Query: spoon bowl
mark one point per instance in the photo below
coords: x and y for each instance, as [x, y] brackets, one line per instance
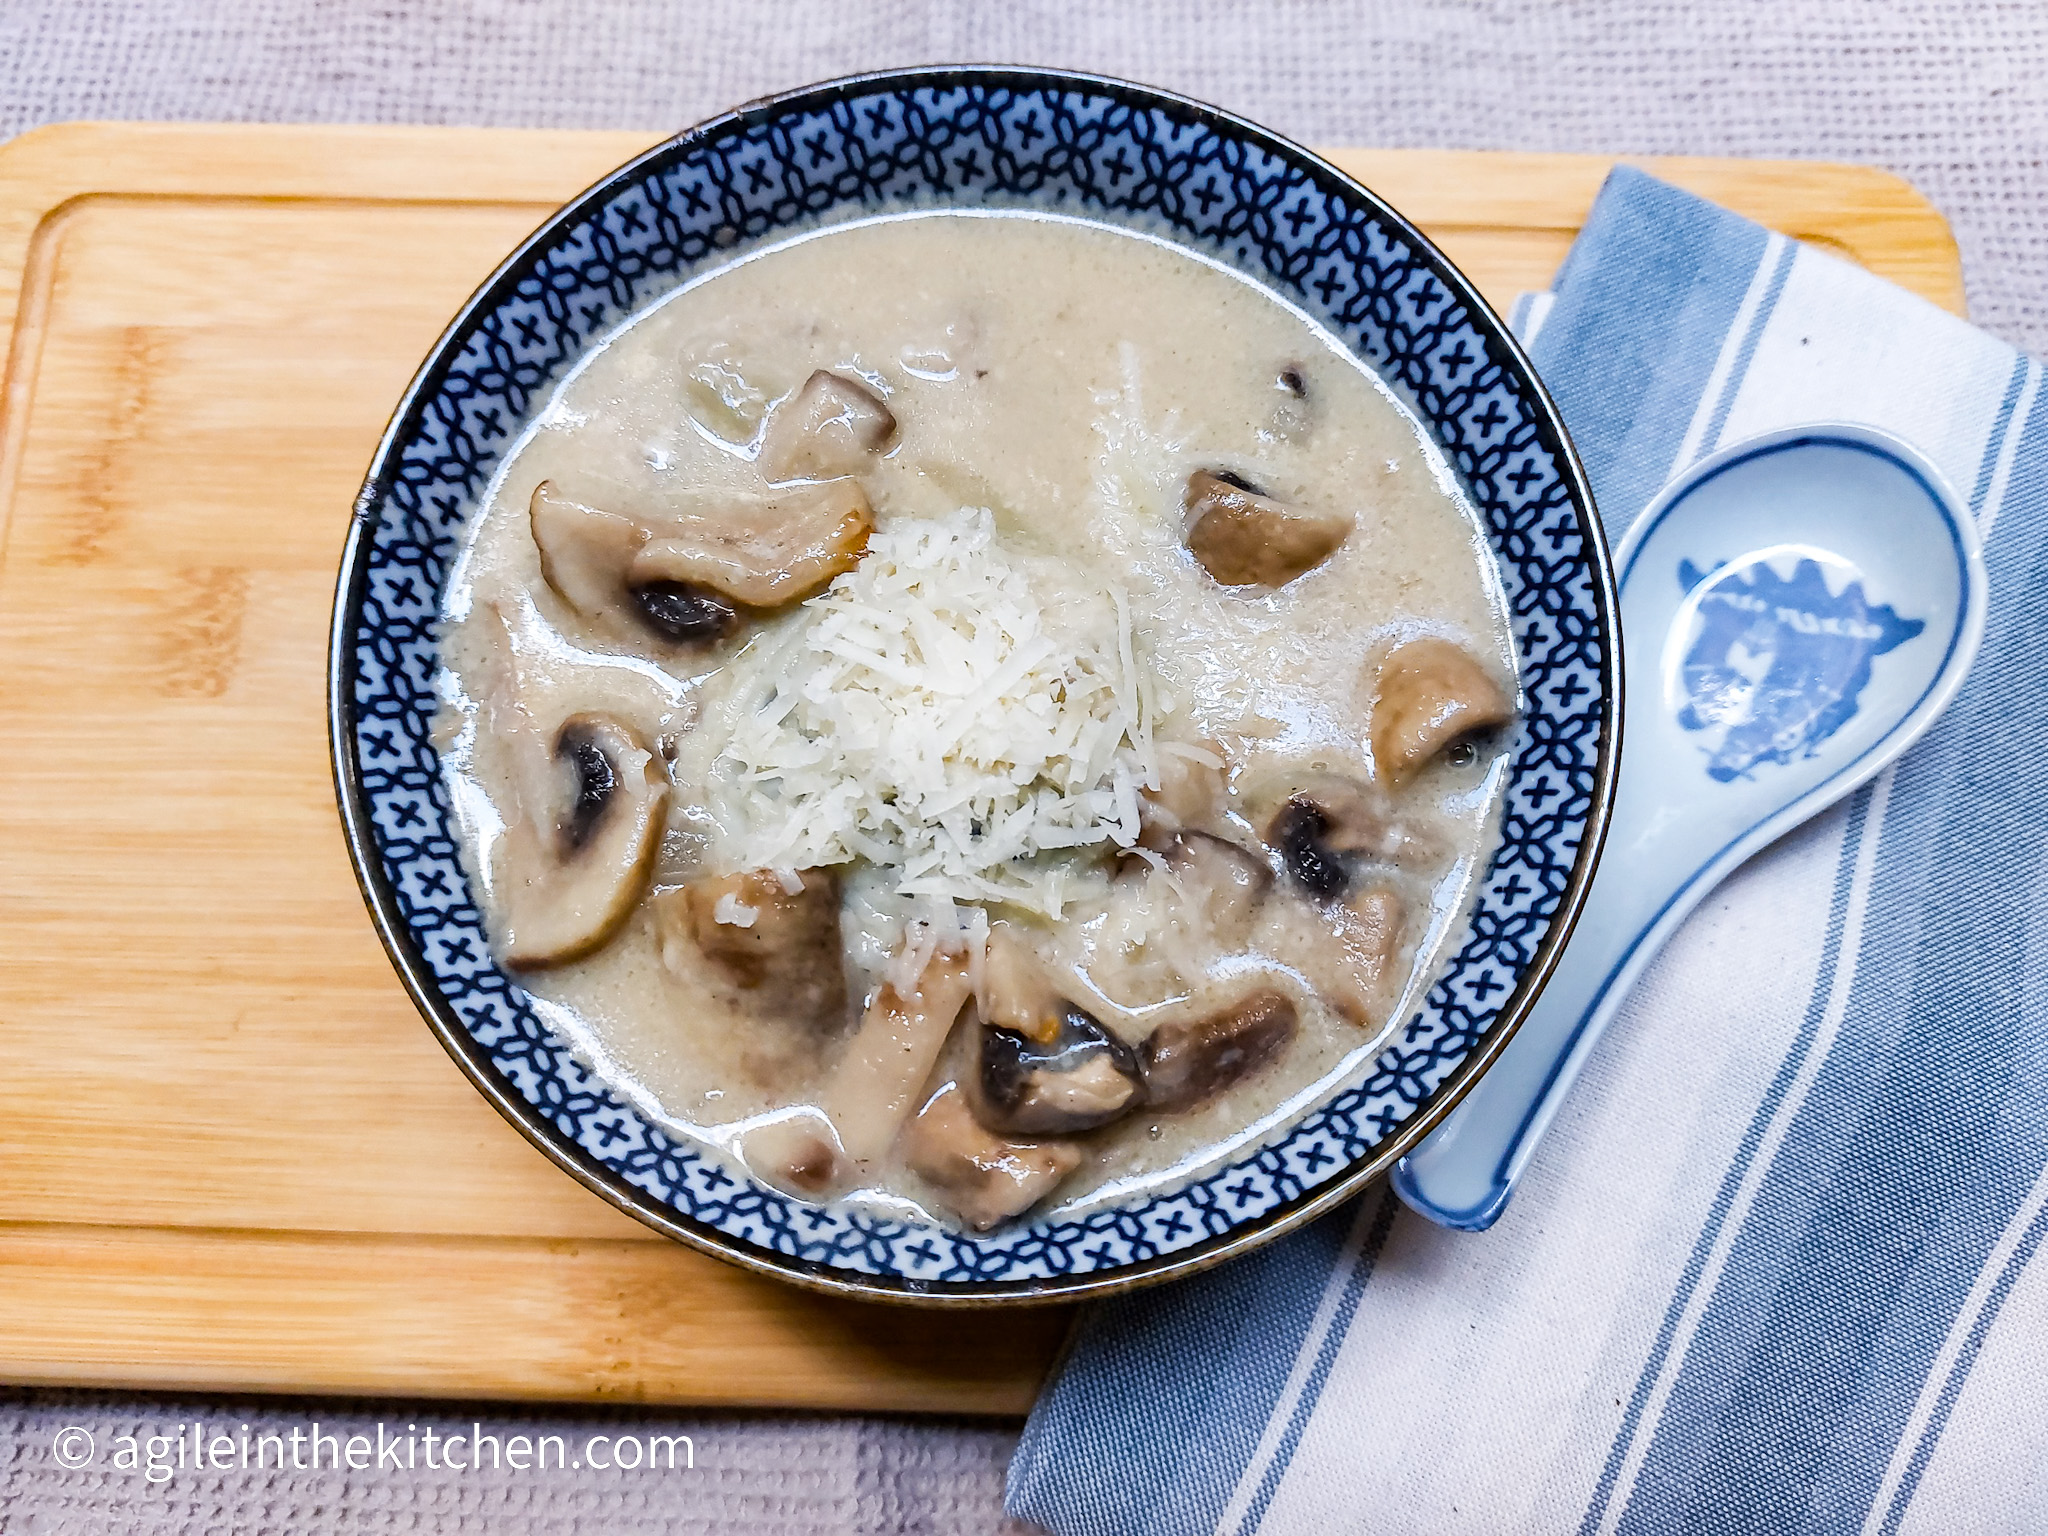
[1796, 610]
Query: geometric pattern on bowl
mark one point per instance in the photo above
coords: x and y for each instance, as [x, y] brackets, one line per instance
[1091, 148]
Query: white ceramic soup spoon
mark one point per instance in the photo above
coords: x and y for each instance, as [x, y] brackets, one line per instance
[1795, 611]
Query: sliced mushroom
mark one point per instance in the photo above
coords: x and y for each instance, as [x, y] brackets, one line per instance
[1016, 992]
[1042, 1064]
[582, 550]
[1190, 1061]
[1301, 832]
[891, 1054]
[1246, 539]
[984, 1179]
[1082, 1077]
[872, 1088]
[1347, 950]
[1369, 936]
[829, 429]
[780, 948]
[685, 580]
[798, 1152]
[1175, 911]
[1222, 882]
[575, 864]
[682, 612]
[1328, 825]
[1433, 695]
[585, 555]
[1190, 794]
[768, 554]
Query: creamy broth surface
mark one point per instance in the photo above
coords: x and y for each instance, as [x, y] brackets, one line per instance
[1053, 386]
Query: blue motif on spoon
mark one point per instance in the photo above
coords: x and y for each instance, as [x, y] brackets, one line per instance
[1776, 664]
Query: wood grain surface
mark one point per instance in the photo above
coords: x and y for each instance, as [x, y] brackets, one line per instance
[231, 1155]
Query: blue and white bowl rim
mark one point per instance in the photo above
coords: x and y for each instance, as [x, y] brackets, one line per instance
[1333, 1151]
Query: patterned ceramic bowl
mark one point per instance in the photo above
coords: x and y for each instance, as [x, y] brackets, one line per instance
[1098, 149]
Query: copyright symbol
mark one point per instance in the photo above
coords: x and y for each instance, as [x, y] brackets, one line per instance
[73, 1447]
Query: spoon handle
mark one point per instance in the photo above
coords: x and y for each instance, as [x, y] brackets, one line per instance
[1463, 1172]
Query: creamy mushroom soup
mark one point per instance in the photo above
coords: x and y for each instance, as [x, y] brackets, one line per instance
[974, 713]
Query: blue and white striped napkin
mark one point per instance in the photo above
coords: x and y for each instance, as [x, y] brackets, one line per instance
[1776, 1269]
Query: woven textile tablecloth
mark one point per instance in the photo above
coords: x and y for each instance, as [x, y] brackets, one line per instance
[1951, 93]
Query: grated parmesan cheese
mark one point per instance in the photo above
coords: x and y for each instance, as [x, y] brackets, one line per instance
[928, 716]
[733, 912]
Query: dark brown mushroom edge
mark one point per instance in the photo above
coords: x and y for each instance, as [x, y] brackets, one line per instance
[955, 733]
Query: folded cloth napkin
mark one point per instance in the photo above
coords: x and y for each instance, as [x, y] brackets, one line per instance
[1775, 1269]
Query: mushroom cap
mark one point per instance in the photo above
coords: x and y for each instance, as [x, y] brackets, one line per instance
[1191, 794]
[1325, 826]
[1226, 884]
[827, 429]
[1431, 693]
[798, 1152]
[1014, 990]
[682, 579]
[780, 948]
[583, 550]
[1370, 928]
[1040, 1063]
[571, 870]
[766, 553]
[685, 614]
[983, 1178]
[1082, 1077]
[585, 555]
[1190, 1061]
[1244, 539]
[1348, 951]
[859, 1108]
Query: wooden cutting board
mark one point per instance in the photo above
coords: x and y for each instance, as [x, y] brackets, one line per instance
[231, 1155]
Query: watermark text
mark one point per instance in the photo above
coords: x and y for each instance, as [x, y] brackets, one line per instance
[198, 1446]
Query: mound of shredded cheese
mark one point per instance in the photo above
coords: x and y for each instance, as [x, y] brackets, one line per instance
[929, 717]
